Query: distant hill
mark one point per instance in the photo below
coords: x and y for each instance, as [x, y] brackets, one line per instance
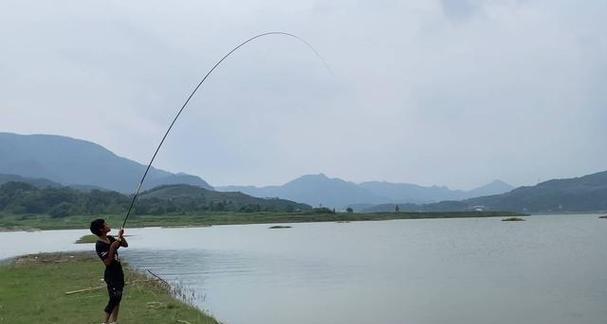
[24, 198]
[412, 193]
[319, 189]
[587, 193]
[235, 201]
[70, 161]
[494, 188]
[583, 194]
[37, 182]
[314, 190]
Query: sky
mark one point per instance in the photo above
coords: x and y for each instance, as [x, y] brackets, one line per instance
[444, 92]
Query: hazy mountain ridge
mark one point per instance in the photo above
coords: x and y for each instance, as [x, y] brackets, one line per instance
[586, 193]
[337, 193]
[87, 166]
[412, 193]
[70, 161]
[582, 194]
[314, 190]
[495, 187]
[50, 161]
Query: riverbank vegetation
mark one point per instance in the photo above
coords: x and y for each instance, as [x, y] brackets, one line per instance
[34, 291]
[45, 222]
[24, 206]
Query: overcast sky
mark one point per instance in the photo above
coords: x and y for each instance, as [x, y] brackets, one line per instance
[451, 92]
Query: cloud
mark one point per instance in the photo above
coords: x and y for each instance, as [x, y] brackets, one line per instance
[459, 9]
[432, 92]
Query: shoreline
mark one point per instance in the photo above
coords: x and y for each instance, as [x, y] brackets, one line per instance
[15, 223]
[66, 288]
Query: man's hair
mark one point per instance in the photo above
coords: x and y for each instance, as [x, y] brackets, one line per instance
[97, 225]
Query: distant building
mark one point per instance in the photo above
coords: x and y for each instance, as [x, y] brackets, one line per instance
[479, 208]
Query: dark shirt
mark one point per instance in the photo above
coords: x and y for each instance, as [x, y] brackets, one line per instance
[113, 273]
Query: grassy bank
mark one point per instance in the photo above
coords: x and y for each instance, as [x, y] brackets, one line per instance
[17, 222]
[33, 291]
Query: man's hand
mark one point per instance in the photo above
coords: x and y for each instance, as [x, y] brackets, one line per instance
[115, 245]
[121, 238]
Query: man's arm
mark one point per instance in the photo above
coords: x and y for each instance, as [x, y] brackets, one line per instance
[110, 256]
[121, 238]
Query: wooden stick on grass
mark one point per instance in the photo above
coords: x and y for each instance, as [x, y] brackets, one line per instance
[101, 287]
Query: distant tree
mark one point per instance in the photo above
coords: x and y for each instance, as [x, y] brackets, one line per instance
[349, 210]
[220, 206]
[61, 210]
[250, 208]
[322, 210]
[157, 210]
[23, 198]
[396, 209]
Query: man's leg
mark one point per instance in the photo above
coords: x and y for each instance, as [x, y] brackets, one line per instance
[115, 292]
[115, 313]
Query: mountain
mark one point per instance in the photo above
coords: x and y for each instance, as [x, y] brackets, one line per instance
[314, 190]
[412, 193]
[582, 194]
[70, 161]
[336, 193]
[586, 193]
[494, 188]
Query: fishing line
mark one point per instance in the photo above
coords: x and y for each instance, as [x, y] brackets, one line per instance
[194, 92]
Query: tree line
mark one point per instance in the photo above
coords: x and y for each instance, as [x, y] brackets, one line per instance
[23, 198]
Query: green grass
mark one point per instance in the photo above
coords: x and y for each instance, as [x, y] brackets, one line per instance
[33, 291]
[20, 222]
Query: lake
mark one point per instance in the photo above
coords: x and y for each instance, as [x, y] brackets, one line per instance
[548, 269]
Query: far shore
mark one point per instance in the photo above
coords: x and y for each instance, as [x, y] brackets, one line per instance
[34, 222]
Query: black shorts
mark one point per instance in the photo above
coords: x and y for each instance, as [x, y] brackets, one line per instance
[115, 293]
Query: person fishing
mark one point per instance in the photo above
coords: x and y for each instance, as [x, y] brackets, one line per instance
[279, 33]
[107, 246]
[107, 249]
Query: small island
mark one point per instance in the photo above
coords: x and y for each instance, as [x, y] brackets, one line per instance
[513, 219]
[604, 217]
[279, 226]
[87, 239]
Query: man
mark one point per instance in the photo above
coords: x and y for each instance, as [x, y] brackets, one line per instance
[107, 249]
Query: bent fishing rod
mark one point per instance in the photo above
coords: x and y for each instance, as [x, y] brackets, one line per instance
[278, 33]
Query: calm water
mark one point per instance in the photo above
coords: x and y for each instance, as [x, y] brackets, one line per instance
[549, 269]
